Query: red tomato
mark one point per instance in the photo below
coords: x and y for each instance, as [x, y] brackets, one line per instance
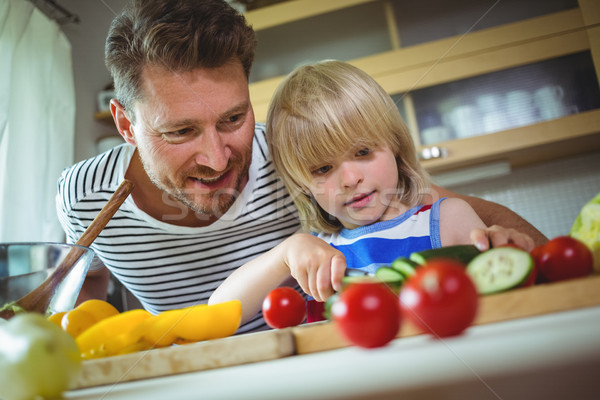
[565, 257]
[284, 307]
[535, 254]
[440, 298]
[367, 314]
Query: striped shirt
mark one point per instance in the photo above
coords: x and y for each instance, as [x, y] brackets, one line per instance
[371, 246]
[168, 266]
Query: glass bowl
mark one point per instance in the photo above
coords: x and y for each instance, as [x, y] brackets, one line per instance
[24, 266]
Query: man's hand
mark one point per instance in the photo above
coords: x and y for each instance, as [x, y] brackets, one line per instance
[499, 236]
[317, 267]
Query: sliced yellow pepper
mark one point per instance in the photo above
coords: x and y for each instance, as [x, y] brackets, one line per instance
[193, 324]
[111, 335]
[137, 330]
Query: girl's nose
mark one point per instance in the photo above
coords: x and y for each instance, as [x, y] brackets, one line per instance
[350, 175]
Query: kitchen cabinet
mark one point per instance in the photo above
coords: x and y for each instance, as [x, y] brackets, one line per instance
[475, 83]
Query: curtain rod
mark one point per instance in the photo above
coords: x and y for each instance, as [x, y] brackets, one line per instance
[51, 8]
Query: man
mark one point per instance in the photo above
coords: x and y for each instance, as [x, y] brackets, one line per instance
[206, 199]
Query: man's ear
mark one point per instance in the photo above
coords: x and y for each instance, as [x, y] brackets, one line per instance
[122, 121]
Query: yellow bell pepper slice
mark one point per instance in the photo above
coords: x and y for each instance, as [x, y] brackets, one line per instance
[110, 336]
[193, 324]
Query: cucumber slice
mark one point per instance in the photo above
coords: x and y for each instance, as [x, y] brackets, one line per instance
[389, 275]
[348, 279]
[405, 266]
[460, 253]
[500, 269]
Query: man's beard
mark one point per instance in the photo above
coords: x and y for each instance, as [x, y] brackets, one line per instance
[219, 201]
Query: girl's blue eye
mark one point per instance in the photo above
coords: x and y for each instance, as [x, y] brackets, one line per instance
[322, 170]
[363, 152]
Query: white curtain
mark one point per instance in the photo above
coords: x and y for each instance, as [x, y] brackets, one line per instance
[37, 121]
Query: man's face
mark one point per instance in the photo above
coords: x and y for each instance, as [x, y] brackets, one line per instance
[194, 131]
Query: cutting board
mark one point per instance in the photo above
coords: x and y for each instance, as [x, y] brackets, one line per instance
[321, 336]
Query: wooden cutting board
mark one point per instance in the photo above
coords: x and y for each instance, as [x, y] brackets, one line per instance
[321, 336]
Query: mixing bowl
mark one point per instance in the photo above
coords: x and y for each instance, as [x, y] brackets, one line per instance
[24, 266]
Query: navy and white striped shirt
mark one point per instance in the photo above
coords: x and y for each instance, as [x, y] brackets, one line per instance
[168, 266]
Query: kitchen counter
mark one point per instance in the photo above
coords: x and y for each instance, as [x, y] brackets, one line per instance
[553, 356]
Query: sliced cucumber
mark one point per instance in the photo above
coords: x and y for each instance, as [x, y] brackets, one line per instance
[460, 253]
[389, 275]
[500, 269]
[405, 266]
[328, 304]
[346, 280]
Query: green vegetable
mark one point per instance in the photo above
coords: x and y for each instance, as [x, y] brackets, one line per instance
[405, 266]
[390, 277]
[587, 228]
[500, 269]
[328, 304]
[460, 253]
[37, 358]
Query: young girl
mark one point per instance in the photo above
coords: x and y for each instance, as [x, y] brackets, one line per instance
[349, 162]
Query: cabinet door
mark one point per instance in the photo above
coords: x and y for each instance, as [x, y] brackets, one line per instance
[506, 99]
[428, 20]
[344, 34]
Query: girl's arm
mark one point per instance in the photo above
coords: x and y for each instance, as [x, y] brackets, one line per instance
[457, 221]
[315, 265]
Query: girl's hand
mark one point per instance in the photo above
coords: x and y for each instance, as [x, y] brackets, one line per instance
[500, 236]
[317, 267]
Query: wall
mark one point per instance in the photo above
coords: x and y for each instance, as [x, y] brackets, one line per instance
[91, 76]
[548, 195]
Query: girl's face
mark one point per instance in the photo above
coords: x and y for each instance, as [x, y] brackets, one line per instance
[359, 187]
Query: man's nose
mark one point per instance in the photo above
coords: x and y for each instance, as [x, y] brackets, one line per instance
[213, 151]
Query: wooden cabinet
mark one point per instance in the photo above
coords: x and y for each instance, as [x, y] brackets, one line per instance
[416, 57]
[549, 47]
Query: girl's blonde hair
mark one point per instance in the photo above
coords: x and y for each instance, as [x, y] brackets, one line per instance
[321, 111]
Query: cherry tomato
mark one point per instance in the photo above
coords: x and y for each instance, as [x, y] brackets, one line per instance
[440, 298]
[565, 257]
[535, 254]
[284, 307]
[367, 314]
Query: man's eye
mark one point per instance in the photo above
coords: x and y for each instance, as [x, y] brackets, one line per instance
[234, 118]
[179, 132]
[178, 135]
[182, 132]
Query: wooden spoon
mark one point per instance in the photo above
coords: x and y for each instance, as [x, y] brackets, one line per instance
[39, 298]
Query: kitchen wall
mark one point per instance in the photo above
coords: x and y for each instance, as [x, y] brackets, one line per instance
[548, 195]
[91, 76]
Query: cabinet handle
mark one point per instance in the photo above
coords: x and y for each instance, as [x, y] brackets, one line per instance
[428, 153]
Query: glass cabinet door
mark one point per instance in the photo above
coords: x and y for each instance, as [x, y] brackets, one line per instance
[427, 20]
[505, 99]
[344, 34]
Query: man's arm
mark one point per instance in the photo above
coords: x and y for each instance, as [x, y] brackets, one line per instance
[495, 214]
